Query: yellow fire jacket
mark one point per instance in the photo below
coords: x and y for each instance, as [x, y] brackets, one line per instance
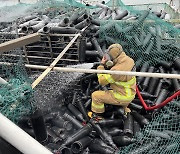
[123, 86]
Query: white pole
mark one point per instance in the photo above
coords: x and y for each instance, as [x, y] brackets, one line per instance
[68, 69]
[80, 70]
[20, 139]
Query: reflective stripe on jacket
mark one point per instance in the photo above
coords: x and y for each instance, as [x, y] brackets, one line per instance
[126, 85]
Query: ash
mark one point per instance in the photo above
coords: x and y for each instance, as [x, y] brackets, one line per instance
[56, 89]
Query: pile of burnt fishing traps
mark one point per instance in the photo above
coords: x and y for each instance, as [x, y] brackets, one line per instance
[66, 128]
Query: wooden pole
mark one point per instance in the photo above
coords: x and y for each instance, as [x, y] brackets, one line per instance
[19, 42]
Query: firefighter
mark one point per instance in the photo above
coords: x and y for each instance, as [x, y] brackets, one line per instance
[123, 87]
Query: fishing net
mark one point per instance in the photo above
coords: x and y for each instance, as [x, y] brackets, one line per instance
[161, 135]
[157, 7]
[15, 95]
[147, 39]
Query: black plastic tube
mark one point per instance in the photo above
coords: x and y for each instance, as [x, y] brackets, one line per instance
[162, 96]
[65, 150]
[165, 64]
[58, 131]
[84, 131]
[151, 88]
[158, 14]
[94, 21]
[177, 63]
[89, 76]
[30, 131]
[128, 125]
[136, 127]
[82, 109]
[82, 49]
[82, 24]
[76, 123]
[74, 17]
[158, 89]
[140, 119]
[78, 146]
[144, 68]
[149, 48]
[63, 30]
[122, 15]
[36, 27]
[163, 15]
[81, 18]
[147, 79]
[103, 14]
[52, 136]
[75, 112]
[24, 29]
[38, 125]
[103, 134]
[87, 103]
[89, 45]
[91, 53]
[61, 123]
[166, 83]
[64, 22]
[136, 107]
[97, 46]
[110, 122]
[146, 95]
[52, 146]
[120, 111]
[96, 148]
[115, 131]
[123, 140]
[175, 82]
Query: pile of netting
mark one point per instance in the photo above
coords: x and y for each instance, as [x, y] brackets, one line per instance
[15, 92]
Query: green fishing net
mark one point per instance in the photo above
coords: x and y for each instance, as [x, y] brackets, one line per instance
[148, 39]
